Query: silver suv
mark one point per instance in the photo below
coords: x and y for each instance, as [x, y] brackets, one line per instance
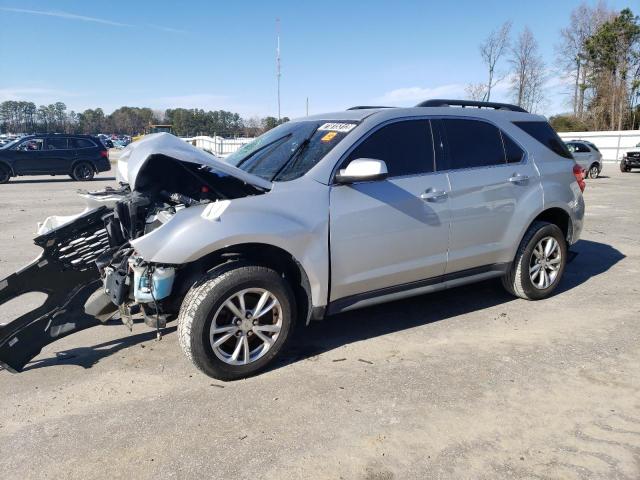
[587, 156]
[320, 215]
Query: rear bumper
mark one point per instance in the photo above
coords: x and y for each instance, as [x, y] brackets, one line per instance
[103, 165]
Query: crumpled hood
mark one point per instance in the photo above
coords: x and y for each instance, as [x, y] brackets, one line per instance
[136, 154]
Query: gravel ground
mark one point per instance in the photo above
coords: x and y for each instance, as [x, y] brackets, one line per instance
[469, 383]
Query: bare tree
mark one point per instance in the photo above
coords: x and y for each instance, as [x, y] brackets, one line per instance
[571, 52]
[476, 91]
[491, 50]
[528, 71]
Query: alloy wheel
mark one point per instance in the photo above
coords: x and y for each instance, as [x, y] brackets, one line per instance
[545, 263]
[83, 172]
[246, 326]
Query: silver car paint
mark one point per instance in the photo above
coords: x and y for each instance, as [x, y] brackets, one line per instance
[384, 234]
[292, 216]
[367, 252]
[587, 159]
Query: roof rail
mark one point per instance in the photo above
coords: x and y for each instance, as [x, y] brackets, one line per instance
[365, 107]
[471, 103]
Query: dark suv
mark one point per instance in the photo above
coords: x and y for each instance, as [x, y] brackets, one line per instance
[79, 156]
[630, 160]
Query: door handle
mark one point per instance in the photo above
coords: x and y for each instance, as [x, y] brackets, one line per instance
[431, 195]
[519, 179]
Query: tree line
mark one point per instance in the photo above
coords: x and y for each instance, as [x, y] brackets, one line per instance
[25, 117]
[598, 56]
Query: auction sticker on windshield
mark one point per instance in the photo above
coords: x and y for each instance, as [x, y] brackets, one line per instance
[337, 127]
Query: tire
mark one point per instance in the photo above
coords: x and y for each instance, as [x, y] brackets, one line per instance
[593, 171]
[5, 174]
[83, 171]
[518, 279]
[624, 168]
[207, 302]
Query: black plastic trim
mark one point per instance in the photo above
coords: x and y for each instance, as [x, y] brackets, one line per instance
[471, 103]
[342, 303]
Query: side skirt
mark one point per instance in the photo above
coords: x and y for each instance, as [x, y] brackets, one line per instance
[419, 287]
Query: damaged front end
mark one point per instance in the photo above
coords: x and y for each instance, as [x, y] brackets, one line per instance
[88, 268]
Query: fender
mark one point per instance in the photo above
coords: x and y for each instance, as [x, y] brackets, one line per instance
[197, 231]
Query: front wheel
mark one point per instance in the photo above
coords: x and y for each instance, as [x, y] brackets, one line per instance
[624, 168]
[593, 172]
[5, 175]
[83, 171]
[235, 324]
[539, 263]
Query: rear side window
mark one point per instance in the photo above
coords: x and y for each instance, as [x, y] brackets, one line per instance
[546, 135]
[473, 143]
[578, 147]
[512, 151]
[406, 147]
[57, 144]
[81, 143]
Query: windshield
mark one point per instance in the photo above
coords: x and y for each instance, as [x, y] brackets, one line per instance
[289, 150]
[10, 144]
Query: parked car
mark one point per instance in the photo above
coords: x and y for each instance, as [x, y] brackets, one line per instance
[630, 159]
[318, 216]
[79, 156]
[588, 157]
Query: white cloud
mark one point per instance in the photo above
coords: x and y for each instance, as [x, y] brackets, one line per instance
[205, 101]
[209, 101]
[67, 15]
[36, 94]
[408, 96]
[167, 29]
[84, 18]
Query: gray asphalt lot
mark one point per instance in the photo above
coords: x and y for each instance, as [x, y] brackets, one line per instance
[468, 383]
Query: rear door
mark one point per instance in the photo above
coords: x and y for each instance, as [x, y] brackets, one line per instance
[387, 234]
[494, 187]
[59, 155]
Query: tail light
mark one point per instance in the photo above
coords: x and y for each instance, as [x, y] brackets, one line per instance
[578, 172]
[104, 154]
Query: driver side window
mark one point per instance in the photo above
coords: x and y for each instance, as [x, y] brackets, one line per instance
[33, 144]
[406, 147]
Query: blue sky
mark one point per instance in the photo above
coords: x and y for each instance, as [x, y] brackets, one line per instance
[221, 55]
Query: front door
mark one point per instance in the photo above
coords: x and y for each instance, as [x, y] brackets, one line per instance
[29, 156]
[387, 234]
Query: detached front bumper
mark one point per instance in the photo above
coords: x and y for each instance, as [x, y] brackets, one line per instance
[66, 272]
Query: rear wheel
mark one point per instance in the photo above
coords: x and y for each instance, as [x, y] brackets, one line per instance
[594, 171]
[539, 263]
[5, 174]
[83, 171]
[624, 168]
[235, 324]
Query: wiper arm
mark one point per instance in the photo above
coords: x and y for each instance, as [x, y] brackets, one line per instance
[267, 145]
[294, 156]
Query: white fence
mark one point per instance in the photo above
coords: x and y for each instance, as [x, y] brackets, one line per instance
[612, 144]
[218, 145]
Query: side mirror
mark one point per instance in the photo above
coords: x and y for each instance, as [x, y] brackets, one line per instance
[362, 170]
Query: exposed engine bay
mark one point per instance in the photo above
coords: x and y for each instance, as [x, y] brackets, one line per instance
[89, 269]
